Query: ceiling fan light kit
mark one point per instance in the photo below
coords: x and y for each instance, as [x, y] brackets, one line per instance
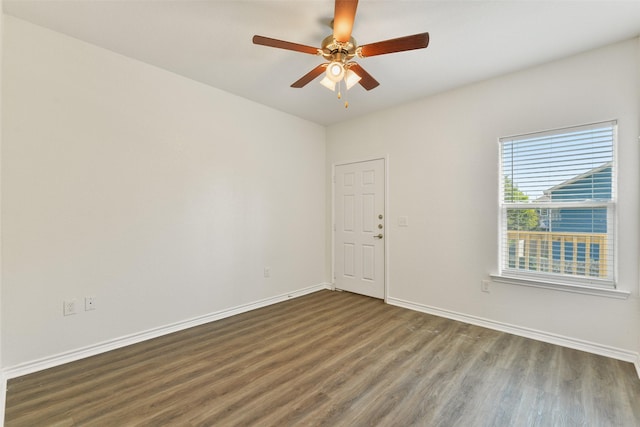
[335, 71]
[340, 48]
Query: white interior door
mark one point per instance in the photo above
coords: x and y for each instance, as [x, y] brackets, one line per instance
[359, 228]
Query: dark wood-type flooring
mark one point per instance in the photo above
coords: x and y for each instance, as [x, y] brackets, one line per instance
[332, 359]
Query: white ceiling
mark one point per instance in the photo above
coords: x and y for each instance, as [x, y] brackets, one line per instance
[210, 41]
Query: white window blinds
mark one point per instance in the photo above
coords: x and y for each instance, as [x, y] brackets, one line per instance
[557, 204]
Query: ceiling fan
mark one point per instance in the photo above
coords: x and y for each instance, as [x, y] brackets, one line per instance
[340, 48]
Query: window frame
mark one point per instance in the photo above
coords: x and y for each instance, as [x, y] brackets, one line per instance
[561, 281]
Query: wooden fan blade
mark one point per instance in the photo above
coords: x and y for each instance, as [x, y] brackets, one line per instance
[366, 80]
[343, 17]
[281, 44]
[416, 41]
[310, 76]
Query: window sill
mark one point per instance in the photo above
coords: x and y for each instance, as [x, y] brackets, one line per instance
[557, 286]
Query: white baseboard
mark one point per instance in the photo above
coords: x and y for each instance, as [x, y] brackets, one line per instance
[599, 349]
[92, 350]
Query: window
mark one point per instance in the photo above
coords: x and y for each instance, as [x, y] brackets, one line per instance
[557, 204]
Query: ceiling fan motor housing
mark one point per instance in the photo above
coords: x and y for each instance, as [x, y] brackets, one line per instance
[335, 51]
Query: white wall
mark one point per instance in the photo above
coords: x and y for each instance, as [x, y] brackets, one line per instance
[162, 197]
[3, 388]
[443, 175]
[638, 218]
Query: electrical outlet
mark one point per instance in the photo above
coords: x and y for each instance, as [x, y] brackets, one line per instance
[89, 303]
[484, 286]
[267, 272]
[70, 307]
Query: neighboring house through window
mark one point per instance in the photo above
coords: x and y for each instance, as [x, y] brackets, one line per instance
[557, 205]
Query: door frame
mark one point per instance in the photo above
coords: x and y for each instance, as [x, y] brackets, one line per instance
[385, 159]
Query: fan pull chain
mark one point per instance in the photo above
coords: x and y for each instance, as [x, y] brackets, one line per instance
[346, 103]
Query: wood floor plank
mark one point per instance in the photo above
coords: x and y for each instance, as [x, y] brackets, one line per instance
[331, 359]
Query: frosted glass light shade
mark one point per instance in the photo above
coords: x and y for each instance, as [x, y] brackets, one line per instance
[335, 71]
[351, 78]
[329, 84]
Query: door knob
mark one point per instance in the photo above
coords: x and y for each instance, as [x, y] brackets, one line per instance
[379, 236]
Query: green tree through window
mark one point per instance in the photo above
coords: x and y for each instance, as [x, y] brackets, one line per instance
[519, 219]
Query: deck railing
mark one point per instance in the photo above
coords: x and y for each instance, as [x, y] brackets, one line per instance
[580, 254]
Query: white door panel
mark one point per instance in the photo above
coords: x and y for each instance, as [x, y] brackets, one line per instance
[360, 228]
